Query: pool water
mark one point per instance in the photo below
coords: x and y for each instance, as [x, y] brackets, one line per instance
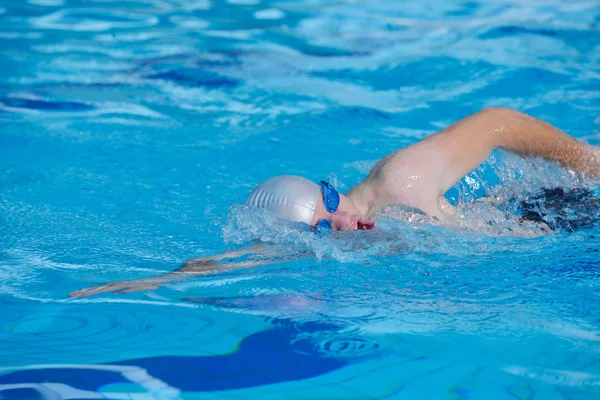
[131, 131]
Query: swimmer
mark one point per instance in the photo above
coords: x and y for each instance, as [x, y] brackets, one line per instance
[416, 176]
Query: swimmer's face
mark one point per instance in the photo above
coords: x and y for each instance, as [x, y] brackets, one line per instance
[346, 218]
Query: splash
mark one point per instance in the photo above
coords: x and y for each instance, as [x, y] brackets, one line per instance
[512, 196]
[245, 224]
[505, 197]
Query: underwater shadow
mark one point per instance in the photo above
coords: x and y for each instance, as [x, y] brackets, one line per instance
[267, 357]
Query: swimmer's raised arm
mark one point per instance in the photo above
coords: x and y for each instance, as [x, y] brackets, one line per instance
[246, 257]
[466, 144]
[420, 174]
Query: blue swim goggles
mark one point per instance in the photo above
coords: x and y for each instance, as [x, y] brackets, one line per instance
[331, 199]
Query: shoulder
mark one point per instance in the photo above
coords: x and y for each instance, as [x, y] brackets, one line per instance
[405, 177]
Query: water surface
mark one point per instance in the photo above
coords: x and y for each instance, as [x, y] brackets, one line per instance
[127, 129]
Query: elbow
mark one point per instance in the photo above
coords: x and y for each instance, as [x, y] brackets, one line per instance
[500, 124]
[501, 113]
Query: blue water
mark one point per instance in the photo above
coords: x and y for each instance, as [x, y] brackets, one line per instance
[127, 129]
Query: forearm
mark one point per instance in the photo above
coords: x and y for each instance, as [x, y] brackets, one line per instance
[189, 270]
[211, 264]
[530, 137]
[251, 256]
[460, 148]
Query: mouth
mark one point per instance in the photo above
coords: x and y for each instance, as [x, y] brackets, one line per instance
[365, 225]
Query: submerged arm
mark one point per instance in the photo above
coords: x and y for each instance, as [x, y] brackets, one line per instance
[250, 256]
[466, 144]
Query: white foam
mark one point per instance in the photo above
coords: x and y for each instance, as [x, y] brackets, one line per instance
[244, 2]
[47, 3]
[269, 13]
[19, 35]
[91, 20]
[191, 5]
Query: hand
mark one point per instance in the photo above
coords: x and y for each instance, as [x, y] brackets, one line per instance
[119, 287]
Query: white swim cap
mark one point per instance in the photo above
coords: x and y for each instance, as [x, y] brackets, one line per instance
[287, 196]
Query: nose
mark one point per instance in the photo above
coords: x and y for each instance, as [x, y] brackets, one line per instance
[344, 222]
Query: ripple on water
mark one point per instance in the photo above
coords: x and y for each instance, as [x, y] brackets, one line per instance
[195, 77]
[90, 20]
[244, 2]
[25, 103]
[340, 347]
[583, 40]
[557, 377]
[126, 198]
[189, 22]
[47, 3]
[106, 332]
[192, 5]
[269, 13]
[52, 325]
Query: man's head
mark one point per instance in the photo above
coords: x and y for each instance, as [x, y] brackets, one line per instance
[298, 199]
